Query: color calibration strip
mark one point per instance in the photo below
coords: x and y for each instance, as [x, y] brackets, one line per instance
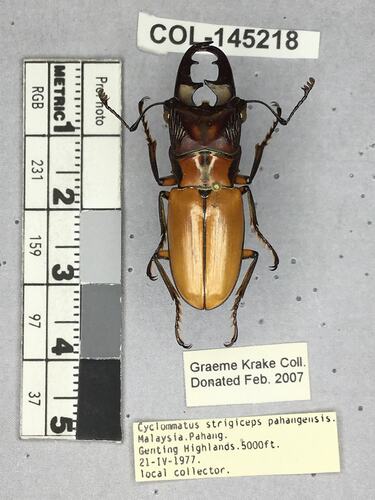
[72, 252]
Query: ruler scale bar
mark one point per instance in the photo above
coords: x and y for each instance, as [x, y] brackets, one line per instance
[57, 187]
[47, 247]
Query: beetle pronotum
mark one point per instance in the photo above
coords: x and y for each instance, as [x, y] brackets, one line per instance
[205, 225]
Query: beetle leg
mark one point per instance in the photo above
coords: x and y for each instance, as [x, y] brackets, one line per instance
[259, 148]
[254, 224]
[242, 179]
[169, 180]
[160, 253]
[163, 229]
[175, 297]
[247, 254]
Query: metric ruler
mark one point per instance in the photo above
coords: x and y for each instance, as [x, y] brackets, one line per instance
[72, 251]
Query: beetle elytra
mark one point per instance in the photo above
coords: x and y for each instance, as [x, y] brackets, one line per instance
[202, 233]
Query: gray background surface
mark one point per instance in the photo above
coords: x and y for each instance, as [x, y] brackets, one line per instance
[319, 212]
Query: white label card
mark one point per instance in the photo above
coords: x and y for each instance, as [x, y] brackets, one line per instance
[256, 374]
[72, 163]
[161, 35]
[297, 443]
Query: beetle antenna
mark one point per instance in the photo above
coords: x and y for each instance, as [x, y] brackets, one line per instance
[104, 99]
[278, 117]
[306, 90]
[141, 116]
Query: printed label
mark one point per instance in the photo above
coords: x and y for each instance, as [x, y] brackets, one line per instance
[240, 375]
[35, 99]
[161, 35]
[101, 75]
[298, 443]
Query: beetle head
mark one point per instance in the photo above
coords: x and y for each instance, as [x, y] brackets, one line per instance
[223, 87]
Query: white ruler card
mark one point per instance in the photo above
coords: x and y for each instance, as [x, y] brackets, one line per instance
[62, 114]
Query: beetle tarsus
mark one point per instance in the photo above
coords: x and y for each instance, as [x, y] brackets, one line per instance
[152, 277]
[276, 260]
[239, 295]
[175, 297]
[255, 227]
[234, 324]
[182, 343]
[177, 328]
[274, 267]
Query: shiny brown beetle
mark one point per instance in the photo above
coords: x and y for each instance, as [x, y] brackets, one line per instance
[205, 225]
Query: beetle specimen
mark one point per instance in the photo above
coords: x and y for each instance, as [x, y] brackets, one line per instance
[205, 224]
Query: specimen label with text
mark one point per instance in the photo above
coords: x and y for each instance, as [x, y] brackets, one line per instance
[161, 35]
[297, 443]
[256, 374]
